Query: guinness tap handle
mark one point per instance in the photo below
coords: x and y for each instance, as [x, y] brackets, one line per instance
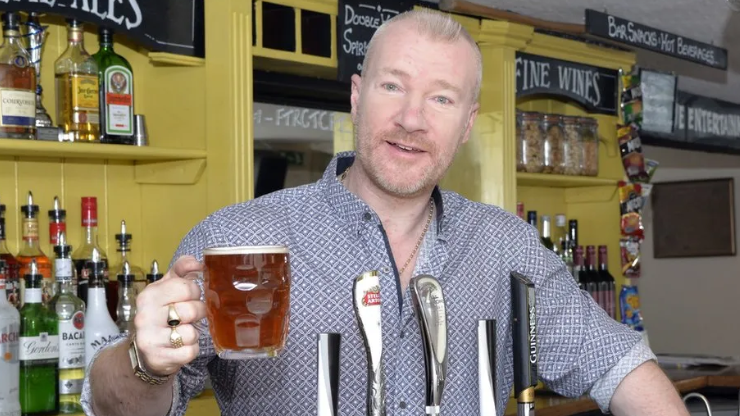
[524, 336]
[328, 373]
[431, 314]
[487, 366]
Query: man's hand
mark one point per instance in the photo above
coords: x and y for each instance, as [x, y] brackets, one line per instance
[647, 391]
[152, 306]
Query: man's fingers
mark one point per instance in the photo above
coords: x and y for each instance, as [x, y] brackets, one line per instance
[187, 332]
[184, 266]
[168, 291]
[189, 311]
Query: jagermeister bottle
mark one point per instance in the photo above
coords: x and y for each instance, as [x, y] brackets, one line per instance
[39, 351]
[116, 92]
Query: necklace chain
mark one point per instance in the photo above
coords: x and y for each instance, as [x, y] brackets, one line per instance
[421, 238]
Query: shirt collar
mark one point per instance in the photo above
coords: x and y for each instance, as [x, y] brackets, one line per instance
[350, 207]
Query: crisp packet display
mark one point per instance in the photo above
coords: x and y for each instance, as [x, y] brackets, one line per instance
[631, 202]
[630, 254]
[630, 148]
[629, 302]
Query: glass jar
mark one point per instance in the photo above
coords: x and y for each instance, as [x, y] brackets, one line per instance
[531, 143]
[590, 140]
[553, 161]
[572, 146]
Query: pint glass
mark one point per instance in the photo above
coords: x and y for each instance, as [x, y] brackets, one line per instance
[247, 295]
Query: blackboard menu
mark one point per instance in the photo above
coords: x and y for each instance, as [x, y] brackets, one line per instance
[701, 123]
[358, 20]
[593, 87]
[174, 26]
[658, 101]
[632, 33]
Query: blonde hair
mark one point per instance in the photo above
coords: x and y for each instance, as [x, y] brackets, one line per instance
[436, 26]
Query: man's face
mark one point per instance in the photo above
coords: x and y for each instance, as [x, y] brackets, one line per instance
[413, 109]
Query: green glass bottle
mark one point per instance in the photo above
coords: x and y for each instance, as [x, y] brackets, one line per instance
[39, 351]
[116, 92]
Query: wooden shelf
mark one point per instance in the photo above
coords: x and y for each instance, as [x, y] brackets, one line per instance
[561, 181]
[99, 151]
[174, 59]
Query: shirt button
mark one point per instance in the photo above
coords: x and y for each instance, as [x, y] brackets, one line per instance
[367, 216]
[386, 269]
[402, 405]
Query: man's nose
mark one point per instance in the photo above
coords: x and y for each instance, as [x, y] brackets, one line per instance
[411, 116]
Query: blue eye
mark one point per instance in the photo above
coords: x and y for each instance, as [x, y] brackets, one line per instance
[390, 87]
[442, 100]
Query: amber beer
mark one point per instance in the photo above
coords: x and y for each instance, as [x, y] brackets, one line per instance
[247, 295]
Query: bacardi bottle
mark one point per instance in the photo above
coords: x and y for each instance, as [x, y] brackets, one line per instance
[31, 250]
[39, 350]
[100, 328]
[70, 312]
[10, 323]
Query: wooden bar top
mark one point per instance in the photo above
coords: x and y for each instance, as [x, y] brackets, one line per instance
[685, 381]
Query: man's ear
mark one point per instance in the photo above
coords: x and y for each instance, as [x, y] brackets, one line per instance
[471, 119]
[355, 95]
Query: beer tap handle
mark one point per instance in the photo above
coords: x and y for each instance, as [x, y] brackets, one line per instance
[431, 314]
[487, 366]
[328, 373]
[366, 302]
[524, 336]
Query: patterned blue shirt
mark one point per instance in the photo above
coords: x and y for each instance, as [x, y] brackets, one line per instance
[471, 248]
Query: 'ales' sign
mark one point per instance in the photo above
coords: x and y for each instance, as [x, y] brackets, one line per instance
[174, 26]
[593, 87]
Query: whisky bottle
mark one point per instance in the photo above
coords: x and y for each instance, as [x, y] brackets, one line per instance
[76, 74]
[12, 284]
[84, 253]
[17, 84]
[39, 351]
[100, 329]
[10, 323]
[116, 92]
[70, 311]
[154, 273]
[126, 300]
[31, 250]
[57, 222]
[124, 250]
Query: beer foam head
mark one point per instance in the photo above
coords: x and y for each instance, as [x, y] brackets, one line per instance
[222, 251]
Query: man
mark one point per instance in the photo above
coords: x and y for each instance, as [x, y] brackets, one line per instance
[412, 108]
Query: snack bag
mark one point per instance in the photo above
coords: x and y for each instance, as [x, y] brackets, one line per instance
[650, 167]
[631, 202]
[632, 112]
[630, 148]
[630, 253]
[629, 303]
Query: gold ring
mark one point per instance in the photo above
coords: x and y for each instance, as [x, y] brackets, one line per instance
[173, 319]
[175, 338]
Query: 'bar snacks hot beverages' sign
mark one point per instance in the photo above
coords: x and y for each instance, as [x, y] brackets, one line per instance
[174, 26]
[357, 22]
[593, 87]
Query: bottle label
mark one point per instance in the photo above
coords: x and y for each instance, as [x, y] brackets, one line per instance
[9, 343]
[55, 228]
[70, 386]
[30, 229]
[9, 369]
[63, 268]
[119, 100]
[85, 98]
[42, 347]
[17, 107]
[32, 296]
[72, 342]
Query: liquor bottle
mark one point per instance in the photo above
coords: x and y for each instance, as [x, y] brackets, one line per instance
[546, 240]
[17, 84]
[532, 219]
[520, 210]
[99, 326]
[76, 73]
[124, 250]
[126, 300]
[10, 323]
[116, 92]
[592, 276]
[579, 269]
[559, 234]
[70, 312]
[154, 273]
[57, 222]
[84, 252]
[39, 350]
[607, 284]
[31, 251]
[12, 267]
[573, 233]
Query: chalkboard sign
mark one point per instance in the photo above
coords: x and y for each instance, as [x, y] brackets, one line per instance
[658, 93]
[593, 87]
[631, 33]
[701, 123]
[174, 26]
[358, 20]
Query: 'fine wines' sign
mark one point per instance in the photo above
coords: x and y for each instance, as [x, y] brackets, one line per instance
[593, 87]
[358, 20]
[645, 37]
[174, 26]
